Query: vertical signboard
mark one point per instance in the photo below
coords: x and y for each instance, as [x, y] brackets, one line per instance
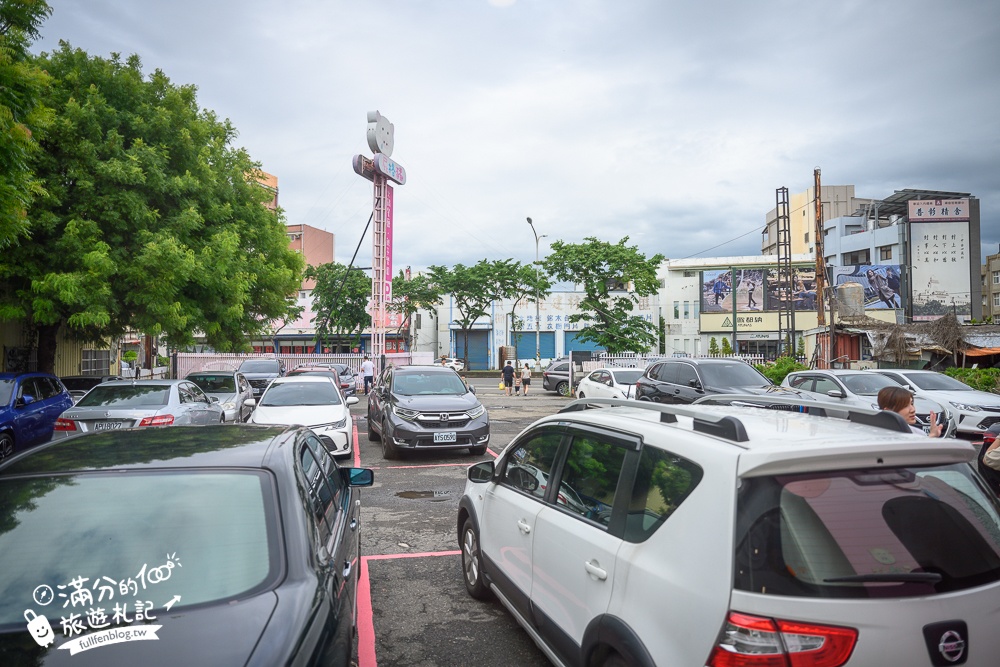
[939, 256]
[387, 286]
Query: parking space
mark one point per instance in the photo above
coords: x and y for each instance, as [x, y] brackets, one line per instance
[413, 607]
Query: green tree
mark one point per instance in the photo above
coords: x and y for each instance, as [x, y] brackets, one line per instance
[529, 283]
[605, 271]
[779, 368]
[473, 289]
[151, 220]
[22, 84]
[410, 296]
[727, 348]
[340, 301]
[713, 346]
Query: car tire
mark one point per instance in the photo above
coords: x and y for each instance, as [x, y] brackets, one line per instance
[581, 395]
[6, 446]
[372, 435]
[562, 388]
[613, 659]
[390, 452]
[472, 563]
[478, 450]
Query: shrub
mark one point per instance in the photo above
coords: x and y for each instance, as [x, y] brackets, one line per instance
[713, 346]
[983, 379]
[776, 370]
[726, 347]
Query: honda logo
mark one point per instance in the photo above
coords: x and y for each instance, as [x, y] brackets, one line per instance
[444, 416]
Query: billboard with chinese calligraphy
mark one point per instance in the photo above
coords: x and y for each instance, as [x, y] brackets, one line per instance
[938, 210]
[939, 256]
[880, 282]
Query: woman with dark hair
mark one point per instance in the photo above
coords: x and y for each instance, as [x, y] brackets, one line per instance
[900, 401]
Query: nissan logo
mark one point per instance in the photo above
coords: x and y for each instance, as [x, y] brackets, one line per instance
[951, 646]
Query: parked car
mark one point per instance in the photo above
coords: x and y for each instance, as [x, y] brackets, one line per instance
[860, 389]
[30, 404]
[425, 407]
[230, 388]
[78, 385]
[816, 554]
[348, 378]
[138, 403]
[453, 363]
[609, 383]
[260, 372]
[228, 545]
[326, 370]
[976, 410]
[685, 380]
[314, 401]
[991, 476]
[555, 378]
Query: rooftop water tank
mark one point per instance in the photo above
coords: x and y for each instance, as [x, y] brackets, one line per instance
[851, 300]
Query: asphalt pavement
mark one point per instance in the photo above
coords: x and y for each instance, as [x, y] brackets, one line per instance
[413, 607]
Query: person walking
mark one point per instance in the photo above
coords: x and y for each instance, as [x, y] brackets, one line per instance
[517, 383]
[525, 378]
[368, 372]
[508, 378]
[751, 302]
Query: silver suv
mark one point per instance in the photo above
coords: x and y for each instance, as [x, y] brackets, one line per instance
[647, 534]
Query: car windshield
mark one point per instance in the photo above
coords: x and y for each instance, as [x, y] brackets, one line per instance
[866, 384]
[438, 384]
[896, 532]
[627, 377]
[286, 394]
[214, 384]
[937, 382]
[259, 366]
[126, 396]
[80, 384]
[736, 374]
[6, 390]
[203, 536]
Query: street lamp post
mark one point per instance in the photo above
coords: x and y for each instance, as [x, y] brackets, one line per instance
[538, 337]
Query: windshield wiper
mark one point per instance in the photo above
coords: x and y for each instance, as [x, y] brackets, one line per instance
[894, 577]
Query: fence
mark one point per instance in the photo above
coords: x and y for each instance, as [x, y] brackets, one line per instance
[192, 362]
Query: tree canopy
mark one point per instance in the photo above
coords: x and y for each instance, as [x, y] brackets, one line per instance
[22, 83]
[150, 220]
[340, 300]
[529, 282]
[411, 295]
[613, 277]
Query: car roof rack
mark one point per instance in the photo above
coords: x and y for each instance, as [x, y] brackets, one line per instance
[880, 418]
[722, 426]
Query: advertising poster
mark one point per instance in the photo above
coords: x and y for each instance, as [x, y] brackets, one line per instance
[716, 291]
[939, 255]
[880, 282]
[801, 293]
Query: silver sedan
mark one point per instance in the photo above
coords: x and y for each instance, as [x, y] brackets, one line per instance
[139, 403]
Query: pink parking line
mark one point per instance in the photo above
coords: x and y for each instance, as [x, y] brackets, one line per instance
[357, 452]
[366, 621]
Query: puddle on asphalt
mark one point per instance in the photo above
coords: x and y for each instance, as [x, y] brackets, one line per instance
[433, 496]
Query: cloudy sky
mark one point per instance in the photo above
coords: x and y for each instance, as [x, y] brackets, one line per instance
[671, 122]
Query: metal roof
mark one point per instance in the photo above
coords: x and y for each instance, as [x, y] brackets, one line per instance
[896, 203]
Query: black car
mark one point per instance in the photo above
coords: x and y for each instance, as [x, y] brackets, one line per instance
[685, 380]
[228, 545]
[79, 385]
[260, 372]
[426, 407]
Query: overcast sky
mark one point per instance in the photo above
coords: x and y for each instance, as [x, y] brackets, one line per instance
[670, 122]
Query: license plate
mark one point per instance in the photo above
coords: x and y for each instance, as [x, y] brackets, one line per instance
[107, 426]
[445, 437]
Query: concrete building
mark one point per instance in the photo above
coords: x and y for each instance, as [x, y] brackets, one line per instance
[991, 287]
[316, 245]
[837, 201]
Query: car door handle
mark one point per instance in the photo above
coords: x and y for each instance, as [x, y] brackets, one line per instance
[524, 526]
[347, 569]
[595, 570]
[354, 524]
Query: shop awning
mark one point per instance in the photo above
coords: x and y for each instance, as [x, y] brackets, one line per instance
[981, 351]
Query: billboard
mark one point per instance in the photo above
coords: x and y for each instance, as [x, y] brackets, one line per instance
[938, 210]
[801, 293]
[939, 256]
[880, 282]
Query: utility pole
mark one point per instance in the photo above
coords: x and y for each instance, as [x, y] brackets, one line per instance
[820, 260]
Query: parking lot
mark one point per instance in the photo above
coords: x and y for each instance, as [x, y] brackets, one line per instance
[413, 608]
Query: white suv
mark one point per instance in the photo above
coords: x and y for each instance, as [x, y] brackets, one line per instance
[727, 535]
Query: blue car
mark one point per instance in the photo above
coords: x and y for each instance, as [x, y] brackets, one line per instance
[30, 403]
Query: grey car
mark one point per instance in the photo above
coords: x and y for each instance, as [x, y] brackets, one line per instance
[79, 385]
[231, 388]
[138, 403]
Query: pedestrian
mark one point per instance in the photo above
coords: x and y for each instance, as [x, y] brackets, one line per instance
[508, 378]
[517, 384]
[368, 371]
[525, 378]
[900, 401]
[751, 302]
[719, 289]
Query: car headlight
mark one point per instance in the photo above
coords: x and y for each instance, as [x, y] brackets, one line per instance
[967, 407]
[339, 424]
[476, 411]
[405, 413]
[228, 405]
[875, 406]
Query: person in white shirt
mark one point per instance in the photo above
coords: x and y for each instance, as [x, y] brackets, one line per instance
[368, 372]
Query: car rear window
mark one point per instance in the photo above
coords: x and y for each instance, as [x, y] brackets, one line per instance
[80, 384]
[126, 396]
[897, 532]
[259, 366]
[286, 394]
[203, 536]
[214, 384]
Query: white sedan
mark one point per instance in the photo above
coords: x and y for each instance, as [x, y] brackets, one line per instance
[609, 383]
[311, 400]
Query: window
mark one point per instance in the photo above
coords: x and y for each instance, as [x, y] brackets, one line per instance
[662, 482]
[95, 362]
[824, 385]
[996, 300]
[885, 252]
[806, 235]
[685, 375]
[528, 467]
[996, 277]
[590, 477]
[324, 485]
[677, 306]
[687, 310]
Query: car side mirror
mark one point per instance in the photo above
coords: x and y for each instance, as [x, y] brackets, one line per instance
[351, 400]
[835, 393]
[358, 476]
[250, 402]
[694, 383]
[481, 472]
[471, 388]
[214, 399]
[26, 399]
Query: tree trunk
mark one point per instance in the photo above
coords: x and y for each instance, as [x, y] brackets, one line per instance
[47, 347]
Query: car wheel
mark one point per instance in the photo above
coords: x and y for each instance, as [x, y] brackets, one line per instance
[372, 435]
[6, 445]
[614, 660]
[390, 451]
[581, 395]
[478, 450]
[563, 388]
[472, 562]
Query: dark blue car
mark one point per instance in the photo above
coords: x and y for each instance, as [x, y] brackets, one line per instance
[30, 403]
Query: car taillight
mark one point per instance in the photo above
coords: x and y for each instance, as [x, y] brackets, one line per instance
[64, 425]
[753, 641]
[989, 437]
[158, 420]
